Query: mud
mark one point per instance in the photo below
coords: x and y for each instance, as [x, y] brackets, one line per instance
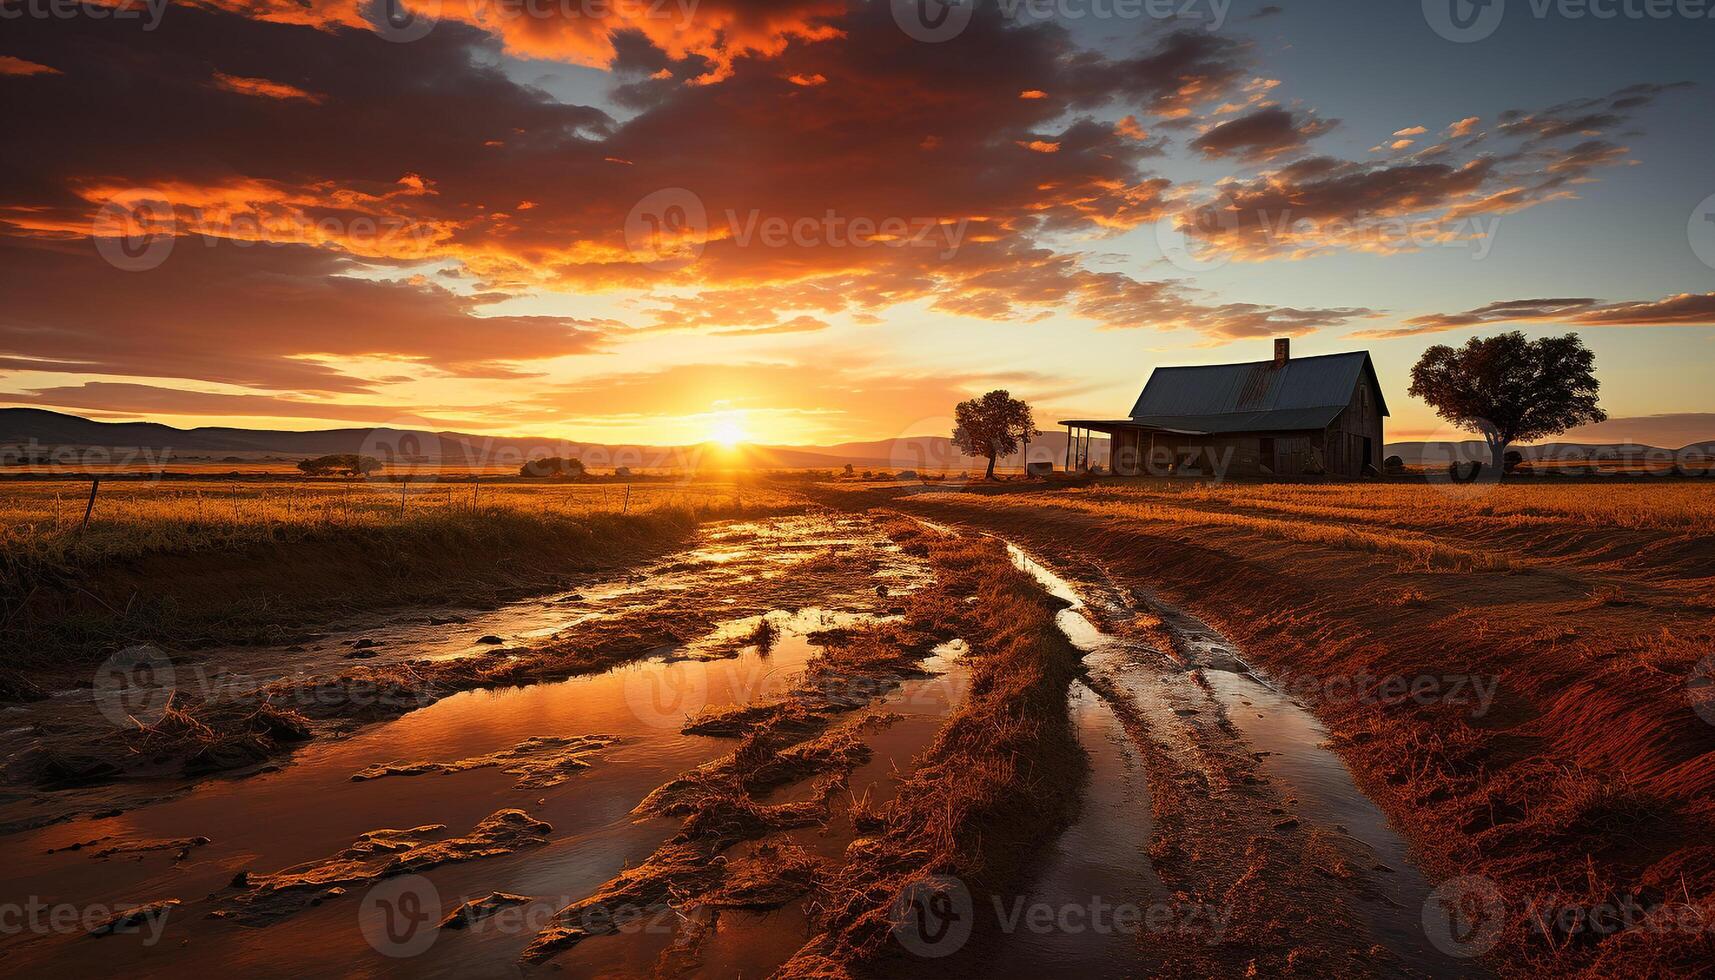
[1256, 820]
[538, 762]
[243, 710]
[302, 812]
[375, 855]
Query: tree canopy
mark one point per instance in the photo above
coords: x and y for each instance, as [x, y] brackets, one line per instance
[344, 464]
[552, 466]
[1509, 388]
[991, 426]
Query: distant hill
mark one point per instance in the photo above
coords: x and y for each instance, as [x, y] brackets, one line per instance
[31, 428]
[44, 430]
[1429, 453]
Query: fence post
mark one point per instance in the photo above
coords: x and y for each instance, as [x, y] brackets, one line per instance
[401, 498]
[94, 485]
[627, 508]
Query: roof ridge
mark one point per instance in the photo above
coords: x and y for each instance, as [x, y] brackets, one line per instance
[1267, 360]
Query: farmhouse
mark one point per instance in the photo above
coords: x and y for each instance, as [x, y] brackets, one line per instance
[1318, 414]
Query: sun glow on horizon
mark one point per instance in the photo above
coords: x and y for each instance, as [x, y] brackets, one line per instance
[728, 433]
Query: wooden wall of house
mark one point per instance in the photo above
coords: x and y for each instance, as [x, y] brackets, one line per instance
[1343, 445]
[1236, 454]
[1340, 446]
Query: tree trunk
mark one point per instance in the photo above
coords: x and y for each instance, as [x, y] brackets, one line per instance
[990, 474]
[1498, 457]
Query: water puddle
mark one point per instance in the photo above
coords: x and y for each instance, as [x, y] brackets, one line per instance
[1100, 864]
[1294, 753]
[311, 808]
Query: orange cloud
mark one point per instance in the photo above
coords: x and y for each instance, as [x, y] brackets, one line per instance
[262, 88]
[19, 67]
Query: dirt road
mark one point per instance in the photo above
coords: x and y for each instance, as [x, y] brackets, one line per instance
[687, 793]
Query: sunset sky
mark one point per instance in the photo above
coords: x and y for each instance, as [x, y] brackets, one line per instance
[489, 221]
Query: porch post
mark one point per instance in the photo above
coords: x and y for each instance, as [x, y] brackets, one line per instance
[1068, 448]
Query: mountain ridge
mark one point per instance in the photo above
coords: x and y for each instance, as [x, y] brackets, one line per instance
[45, 430]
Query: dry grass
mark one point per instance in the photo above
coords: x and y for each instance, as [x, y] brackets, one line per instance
[1001, 775]
[1586, 608]
[40, 521]
[189, 561]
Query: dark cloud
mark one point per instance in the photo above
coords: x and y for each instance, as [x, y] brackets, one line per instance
[1262, 134]
[277, 317]
[1684, 309]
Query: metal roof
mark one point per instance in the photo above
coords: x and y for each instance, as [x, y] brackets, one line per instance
[1108, 425]
[1305, 393]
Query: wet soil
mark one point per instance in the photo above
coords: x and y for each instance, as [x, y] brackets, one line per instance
[659, 774]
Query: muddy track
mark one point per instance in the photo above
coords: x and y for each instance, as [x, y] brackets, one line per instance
[1262, 853]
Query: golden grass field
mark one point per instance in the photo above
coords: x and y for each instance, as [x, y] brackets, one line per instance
[236, 560]
[130, 518]
[1590, 606]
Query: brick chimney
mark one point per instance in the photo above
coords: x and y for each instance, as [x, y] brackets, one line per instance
[1282, 351]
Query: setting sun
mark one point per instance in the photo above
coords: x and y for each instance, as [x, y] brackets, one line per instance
[727, 433]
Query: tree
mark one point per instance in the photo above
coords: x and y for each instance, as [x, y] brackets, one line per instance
[346, 464]
[552, 466]
[991, 426]
[1508, 388]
